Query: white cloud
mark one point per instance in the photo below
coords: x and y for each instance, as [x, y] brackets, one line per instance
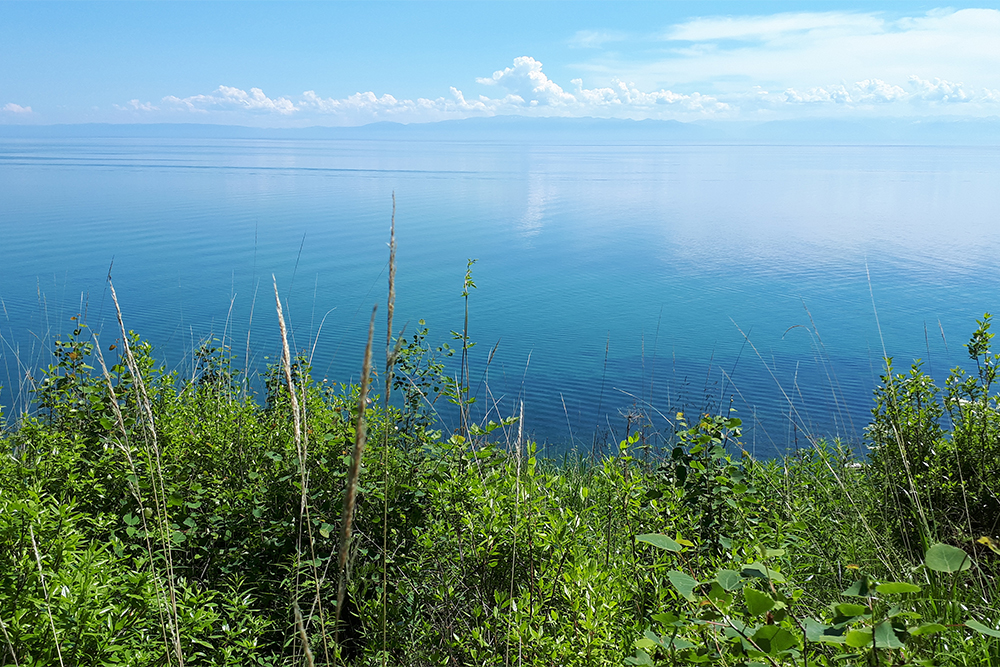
[529, 91]
[595, 39]
[368, 107]
[136, 105]
[524, 88]
[864, 95]
[773, 27]
[628, 95]
[728, 55]
[877, 90]
[226, 97]
[526, 80]
[939, 90]
[16, 108]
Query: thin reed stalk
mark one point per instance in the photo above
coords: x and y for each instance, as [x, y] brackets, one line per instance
[360, 434]
[45, 591]
[390, 359]
[126, 447]
[156, 469]
[302, 453]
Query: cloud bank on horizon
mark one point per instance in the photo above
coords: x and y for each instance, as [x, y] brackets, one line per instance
[790, 65]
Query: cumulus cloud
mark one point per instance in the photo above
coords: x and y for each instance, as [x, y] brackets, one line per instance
[366, 107]
[524, 89]
[939, 90]
[864, 95]
[526, 80]
[10, 107]
[228, 98]
[877, 91]
[623, 94]
[136, 105]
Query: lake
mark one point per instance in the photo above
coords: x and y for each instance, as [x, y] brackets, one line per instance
[618, 284]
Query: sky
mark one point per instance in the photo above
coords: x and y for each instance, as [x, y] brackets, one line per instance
[289, 64]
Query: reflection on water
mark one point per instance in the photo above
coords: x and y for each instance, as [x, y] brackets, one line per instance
[639, 280]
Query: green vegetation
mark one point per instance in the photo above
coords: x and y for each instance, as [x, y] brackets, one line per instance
[150, 520]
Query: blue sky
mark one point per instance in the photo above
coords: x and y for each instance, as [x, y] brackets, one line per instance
[349, 63]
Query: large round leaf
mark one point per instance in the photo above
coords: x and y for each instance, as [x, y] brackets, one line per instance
[946, 558]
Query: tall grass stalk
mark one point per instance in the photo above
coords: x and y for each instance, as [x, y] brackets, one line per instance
[390, 359]
[360, 434]
[126, 448]
[156, 469]
[45, 591]
[304, 519]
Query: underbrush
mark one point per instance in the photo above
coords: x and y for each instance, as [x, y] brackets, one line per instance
[146, 519]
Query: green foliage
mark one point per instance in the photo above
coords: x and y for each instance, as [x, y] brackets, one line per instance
[712, 487]
[124, 538]
[940, 475]
[419, 377]
[756, 616]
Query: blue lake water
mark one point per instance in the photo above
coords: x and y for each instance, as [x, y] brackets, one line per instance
[616, 280]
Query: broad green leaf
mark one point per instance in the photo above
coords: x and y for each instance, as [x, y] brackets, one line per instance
[757, 603]
[729, 579]
[849, 610]
[669, 618]
[859, 589]
[946, 558]
[927, 629]
[982, 629]
[897, 588]
[659, 541]
[821, 632]
[761, 571]
[885, 636]
[684, 583]
[859, 638]
[641, 658]
[719, 595]
[676, 643]
[773, 639]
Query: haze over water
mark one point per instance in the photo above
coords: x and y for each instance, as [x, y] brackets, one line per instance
[616, 279]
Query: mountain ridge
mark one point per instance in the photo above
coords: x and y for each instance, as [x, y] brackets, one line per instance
[558, 130]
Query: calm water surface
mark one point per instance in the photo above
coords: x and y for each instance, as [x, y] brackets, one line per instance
[613, 280]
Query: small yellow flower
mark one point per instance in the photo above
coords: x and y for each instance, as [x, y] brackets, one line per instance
[989, 542]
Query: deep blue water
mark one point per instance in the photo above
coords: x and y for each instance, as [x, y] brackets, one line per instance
[626, 273]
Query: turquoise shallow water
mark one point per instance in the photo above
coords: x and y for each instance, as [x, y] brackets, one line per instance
[616, 279]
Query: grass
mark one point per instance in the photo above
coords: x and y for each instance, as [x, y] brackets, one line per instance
[149, 519]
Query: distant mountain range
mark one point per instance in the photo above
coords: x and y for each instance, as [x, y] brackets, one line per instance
[520, 129]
